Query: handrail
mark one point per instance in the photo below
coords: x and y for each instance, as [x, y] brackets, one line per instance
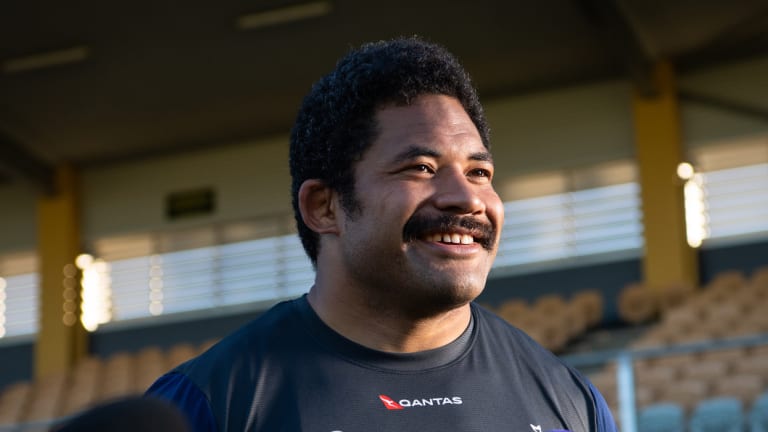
[625, 385]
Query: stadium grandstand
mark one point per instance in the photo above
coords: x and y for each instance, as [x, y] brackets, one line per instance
[144, 188]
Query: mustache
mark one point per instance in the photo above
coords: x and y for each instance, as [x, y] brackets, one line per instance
[418, 226]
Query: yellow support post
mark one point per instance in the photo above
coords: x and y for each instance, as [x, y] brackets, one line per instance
[668, 257]
[61, 339]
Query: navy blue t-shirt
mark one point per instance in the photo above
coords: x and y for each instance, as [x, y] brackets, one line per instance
[288, 371]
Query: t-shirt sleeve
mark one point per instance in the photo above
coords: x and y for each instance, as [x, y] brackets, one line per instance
[605, 422]
[179, 390]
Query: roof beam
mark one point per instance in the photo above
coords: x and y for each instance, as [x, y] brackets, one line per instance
[735, 107]
[619, 36]
[18, 163]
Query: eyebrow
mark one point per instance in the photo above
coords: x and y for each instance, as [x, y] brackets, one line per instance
[414, 152]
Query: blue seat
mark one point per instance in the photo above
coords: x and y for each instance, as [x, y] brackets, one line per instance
[721, 414]
[758, 415]
[661, 417]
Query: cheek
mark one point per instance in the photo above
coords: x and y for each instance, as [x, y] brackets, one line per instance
[494, 207]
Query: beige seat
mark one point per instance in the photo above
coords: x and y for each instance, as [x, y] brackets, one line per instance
[752, 364]
[207, 344]
[654, 338]
[591, 304]
[678, 361]
[759, 350]
[726, 313]
[83, 388]
[13, 402]
[514, 311]
[605, 382]
[707, 371]
[656, 377]
[178, 354]
[729, 356]
[727, 281]
[645, 396]
[687, 393]
[551, 334]
[674, 295]
[746, 387]
[574, 321]
[759, 280]
[637, 304]
[150, 365]
[118, 376]
[549, 304]
[46, 398]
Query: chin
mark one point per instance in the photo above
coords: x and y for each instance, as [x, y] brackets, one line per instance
[443, 297]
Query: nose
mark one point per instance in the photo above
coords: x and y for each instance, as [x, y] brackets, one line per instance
[456, 193]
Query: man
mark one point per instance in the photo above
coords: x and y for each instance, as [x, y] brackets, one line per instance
[395, 207]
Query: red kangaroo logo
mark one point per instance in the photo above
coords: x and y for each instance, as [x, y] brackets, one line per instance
[389, 403]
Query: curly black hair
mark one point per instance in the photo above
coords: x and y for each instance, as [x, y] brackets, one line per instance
[336, 122]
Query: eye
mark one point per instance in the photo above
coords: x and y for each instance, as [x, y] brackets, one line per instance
[423, 168]
[481, 172]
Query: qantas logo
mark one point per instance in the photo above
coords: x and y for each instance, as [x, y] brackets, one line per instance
[390, 403]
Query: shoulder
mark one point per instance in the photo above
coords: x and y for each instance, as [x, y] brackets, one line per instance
[203, 386]
[251, 341]
[186, 396]
[540, 368]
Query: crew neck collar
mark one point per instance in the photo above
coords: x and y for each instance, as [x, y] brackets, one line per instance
[396, 362]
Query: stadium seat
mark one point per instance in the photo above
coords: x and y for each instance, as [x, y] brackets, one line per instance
[605, 381]
[82, 390]
[178, 354]
[549, 304]
[591, 303]
[723, 414]
[659, 374]
[513, 311]
[656, 337]
[759, 277]
[574, 321]
[46, 397]
[730, 356]
[746, 387]
[150, 364]
[758, 414]
[686, 393]
[13, 402]
[661, 417]
[118, 377]
[727, 281]
[707, 371]
[637, 304]
[675, 294]
[682, 318]
[753, 364]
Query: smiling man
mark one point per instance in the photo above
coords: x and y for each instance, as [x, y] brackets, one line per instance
[394, 203]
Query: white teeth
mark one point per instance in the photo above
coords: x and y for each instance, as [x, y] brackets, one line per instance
[454, 238]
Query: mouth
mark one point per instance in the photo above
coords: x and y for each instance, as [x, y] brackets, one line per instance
[450, 229]
[450, 238]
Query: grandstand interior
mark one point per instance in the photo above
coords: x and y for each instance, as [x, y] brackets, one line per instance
[146, 210]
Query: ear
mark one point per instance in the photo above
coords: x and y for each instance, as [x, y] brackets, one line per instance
[318, 205]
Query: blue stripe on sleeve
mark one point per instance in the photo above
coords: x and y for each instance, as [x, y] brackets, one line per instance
[605, 422]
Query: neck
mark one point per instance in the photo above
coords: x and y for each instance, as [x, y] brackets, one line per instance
[382, 328]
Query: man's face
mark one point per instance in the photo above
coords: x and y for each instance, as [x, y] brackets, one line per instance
[429, 220]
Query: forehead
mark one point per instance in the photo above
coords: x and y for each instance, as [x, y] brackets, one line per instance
[430, 120]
